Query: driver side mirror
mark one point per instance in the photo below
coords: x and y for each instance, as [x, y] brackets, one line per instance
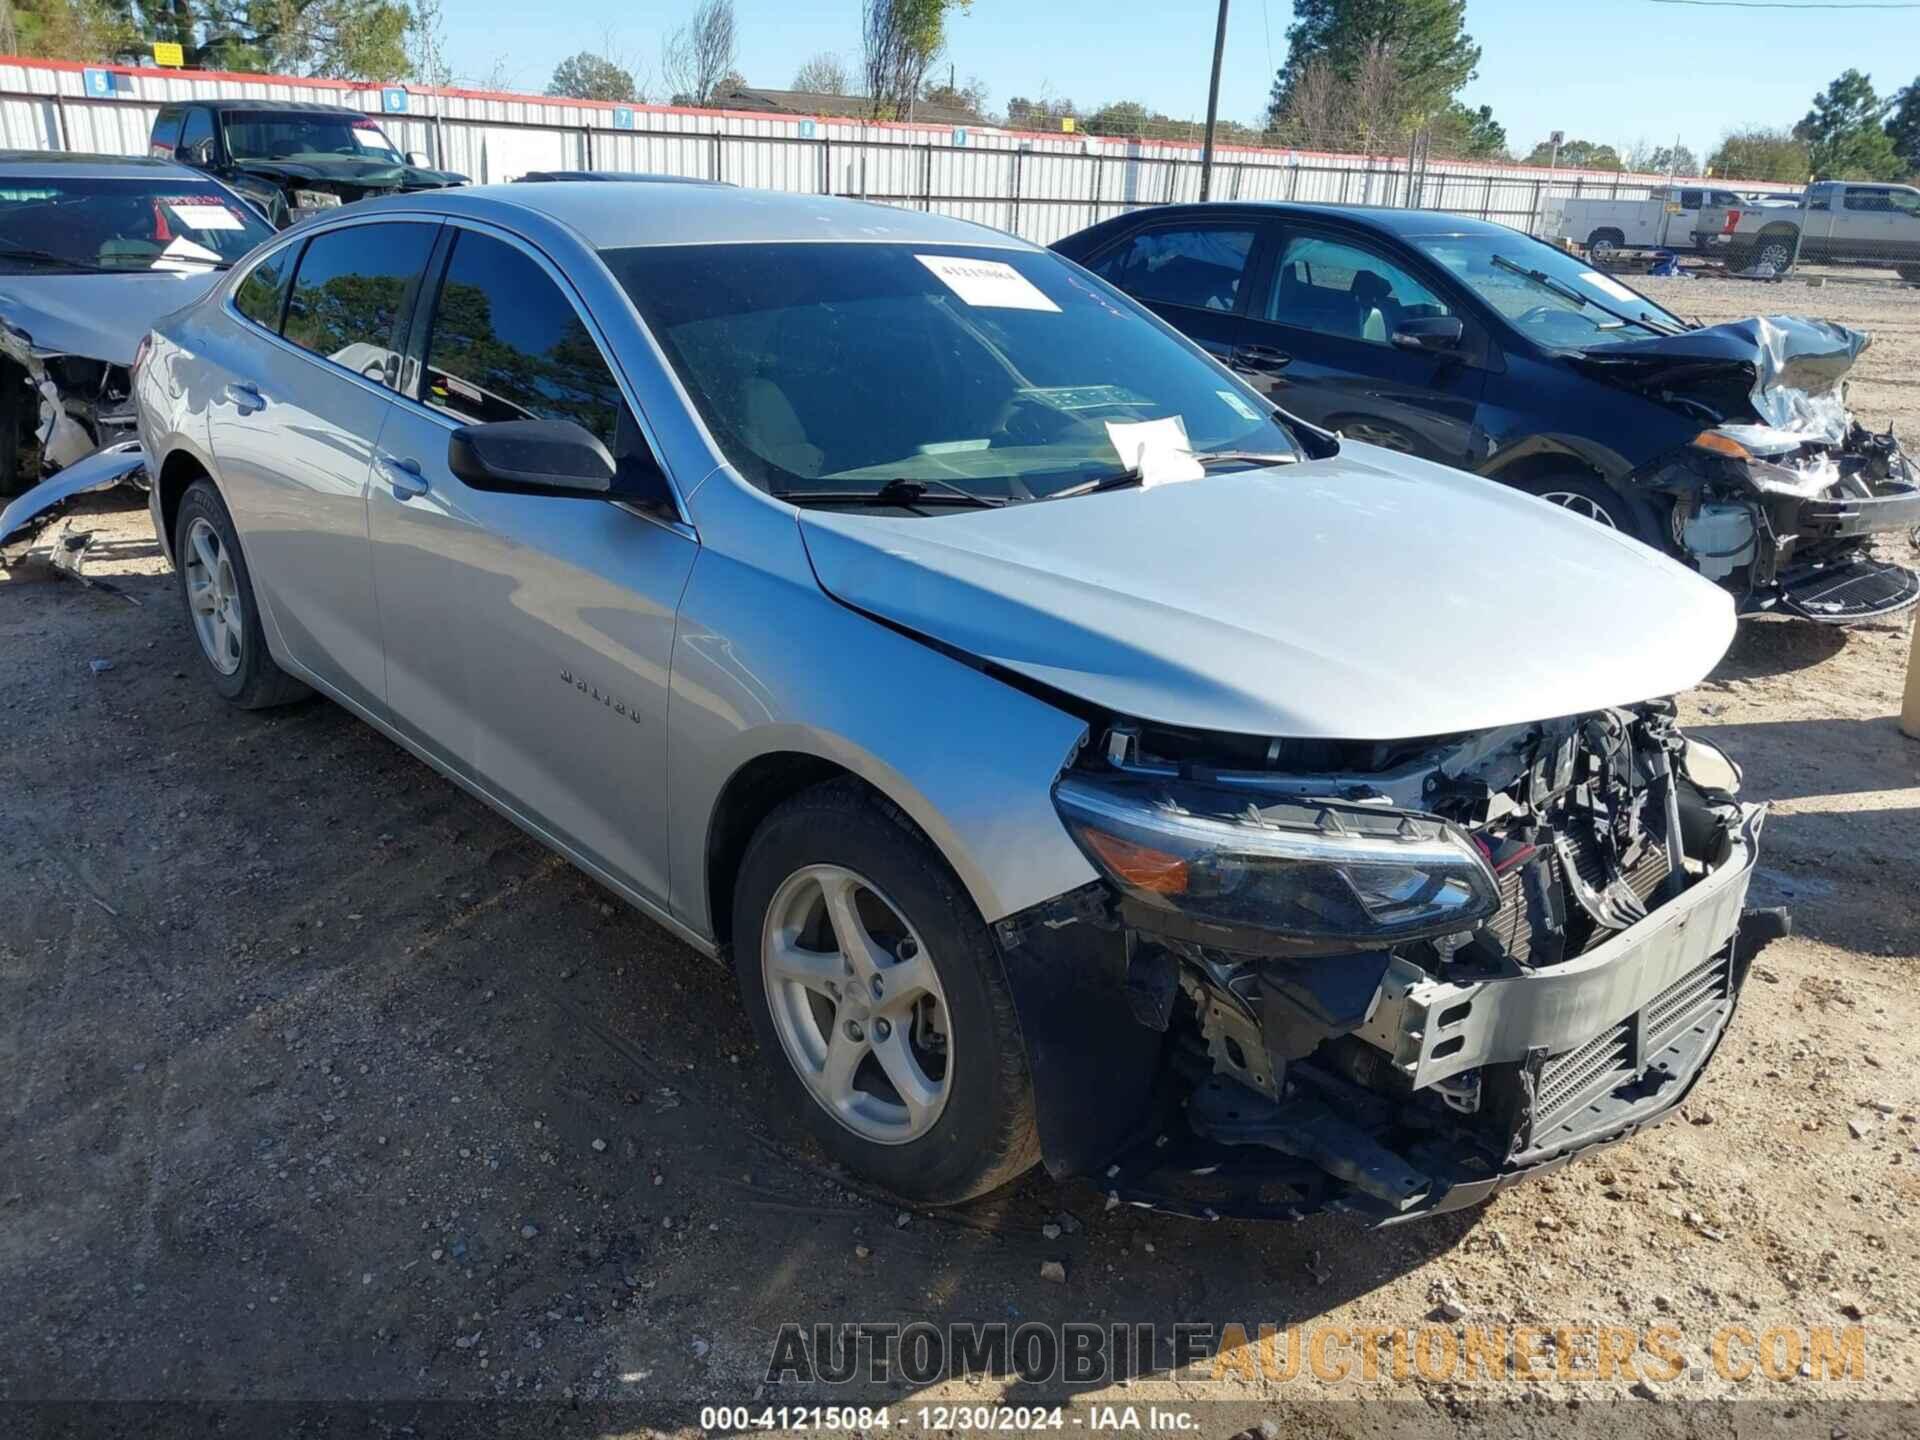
[556, 458]
[1433, 334]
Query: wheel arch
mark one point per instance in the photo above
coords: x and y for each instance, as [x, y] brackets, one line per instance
[180, 469]
[750, 795]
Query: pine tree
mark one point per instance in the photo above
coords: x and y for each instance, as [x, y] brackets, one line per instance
[1427, 40]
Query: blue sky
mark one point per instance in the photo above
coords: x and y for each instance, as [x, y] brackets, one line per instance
[1615, 71]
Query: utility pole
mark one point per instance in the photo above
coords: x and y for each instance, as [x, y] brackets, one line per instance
[1213, 103]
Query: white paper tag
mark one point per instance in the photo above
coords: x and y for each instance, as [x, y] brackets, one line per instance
[1158, 449]
[1238, 405]
[1608, 285]
[989, 284]
[206, 217]
[368, 138]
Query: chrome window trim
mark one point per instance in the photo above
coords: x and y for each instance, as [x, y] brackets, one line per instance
[683, 526]
[607, 356]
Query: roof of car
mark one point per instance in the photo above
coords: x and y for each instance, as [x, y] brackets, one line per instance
[1407, 224]
[309, 107]
[643, 176]
[74, 162]
[615, 216]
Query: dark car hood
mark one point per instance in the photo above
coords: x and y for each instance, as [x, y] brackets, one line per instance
[101, 317]
[366, 175]
[1778, 370]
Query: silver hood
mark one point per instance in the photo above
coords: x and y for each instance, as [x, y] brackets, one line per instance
[101, 317]
[1368, 597]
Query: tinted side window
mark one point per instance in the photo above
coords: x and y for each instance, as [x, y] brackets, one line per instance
[1340, 289]
[1858, 198]
[197, 131]
[1201, 266]
[264, 287]
[506, 344]
[350, 291]
[166, 133]
[1819, 200]
[1690, 199]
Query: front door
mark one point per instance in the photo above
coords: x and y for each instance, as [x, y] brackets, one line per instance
[1331, 305]
[293, 423]
[528, 638]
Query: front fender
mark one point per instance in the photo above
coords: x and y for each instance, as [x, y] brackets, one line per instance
[765, 662]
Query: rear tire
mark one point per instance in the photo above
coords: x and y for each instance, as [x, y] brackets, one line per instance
[1603, 246]
[222, 611]
[834, 1038]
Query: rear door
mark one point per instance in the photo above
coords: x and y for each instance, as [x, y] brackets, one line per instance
[528, 638]
[1331, 300]
[298, 405]
[1195, 274]
[1868, 223]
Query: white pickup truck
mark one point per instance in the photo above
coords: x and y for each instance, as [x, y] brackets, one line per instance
[1839, 222]
[1665, 220]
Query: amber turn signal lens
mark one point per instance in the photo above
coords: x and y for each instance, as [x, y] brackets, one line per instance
[1721, 445]
[1138, 865]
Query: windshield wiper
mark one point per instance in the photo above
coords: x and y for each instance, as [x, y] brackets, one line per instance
[901, 492]
[1567, 292]
[1120, 479]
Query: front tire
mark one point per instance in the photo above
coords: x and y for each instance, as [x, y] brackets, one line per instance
[880, 1000]
[1599, 502]
[221, 607]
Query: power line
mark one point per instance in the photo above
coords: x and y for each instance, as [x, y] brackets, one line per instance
[1797, 4]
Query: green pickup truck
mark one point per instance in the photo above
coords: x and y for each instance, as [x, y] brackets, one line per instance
[289, 158]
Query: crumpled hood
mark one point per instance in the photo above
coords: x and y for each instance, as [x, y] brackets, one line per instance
[101, 317]
[1372, 596]
[1784, 370]
[367, 175]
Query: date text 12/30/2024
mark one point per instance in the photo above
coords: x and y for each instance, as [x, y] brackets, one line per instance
[961, 1418]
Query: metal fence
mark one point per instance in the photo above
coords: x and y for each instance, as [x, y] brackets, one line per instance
[1039, 186]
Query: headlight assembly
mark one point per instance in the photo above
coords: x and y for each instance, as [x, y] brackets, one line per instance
[314, 200]
[1313, 878]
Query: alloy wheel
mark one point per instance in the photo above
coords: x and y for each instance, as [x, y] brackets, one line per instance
[1582, 505]
[857, 1004]
[213, 597]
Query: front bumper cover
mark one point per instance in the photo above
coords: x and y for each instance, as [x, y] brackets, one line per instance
[1595, 1049]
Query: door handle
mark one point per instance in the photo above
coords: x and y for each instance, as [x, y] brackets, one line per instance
[404, 476]
[1260, 359]
[244, 397]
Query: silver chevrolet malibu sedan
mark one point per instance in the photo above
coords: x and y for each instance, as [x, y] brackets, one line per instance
[1078, 759]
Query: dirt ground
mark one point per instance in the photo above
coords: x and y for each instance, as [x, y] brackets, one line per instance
[324, 1083]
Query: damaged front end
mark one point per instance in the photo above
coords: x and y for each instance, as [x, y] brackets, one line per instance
[1782, 495]
[1386, 977]
[55, 409]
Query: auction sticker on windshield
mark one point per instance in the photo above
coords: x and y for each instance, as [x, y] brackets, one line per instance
[1608, 286]
[205, 217]
[989, 284]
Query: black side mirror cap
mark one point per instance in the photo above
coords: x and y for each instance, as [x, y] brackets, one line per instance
[1436, 334]
[532, 457]
[556, 458]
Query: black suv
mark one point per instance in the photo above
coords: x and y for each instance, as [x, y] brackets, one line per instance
[290, 158]
[1471, 344]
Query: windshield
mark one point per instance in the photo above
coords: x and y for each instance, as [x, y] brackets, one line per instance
[839, 367]
[91, 224]
[1562, 304]
[260, 135]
